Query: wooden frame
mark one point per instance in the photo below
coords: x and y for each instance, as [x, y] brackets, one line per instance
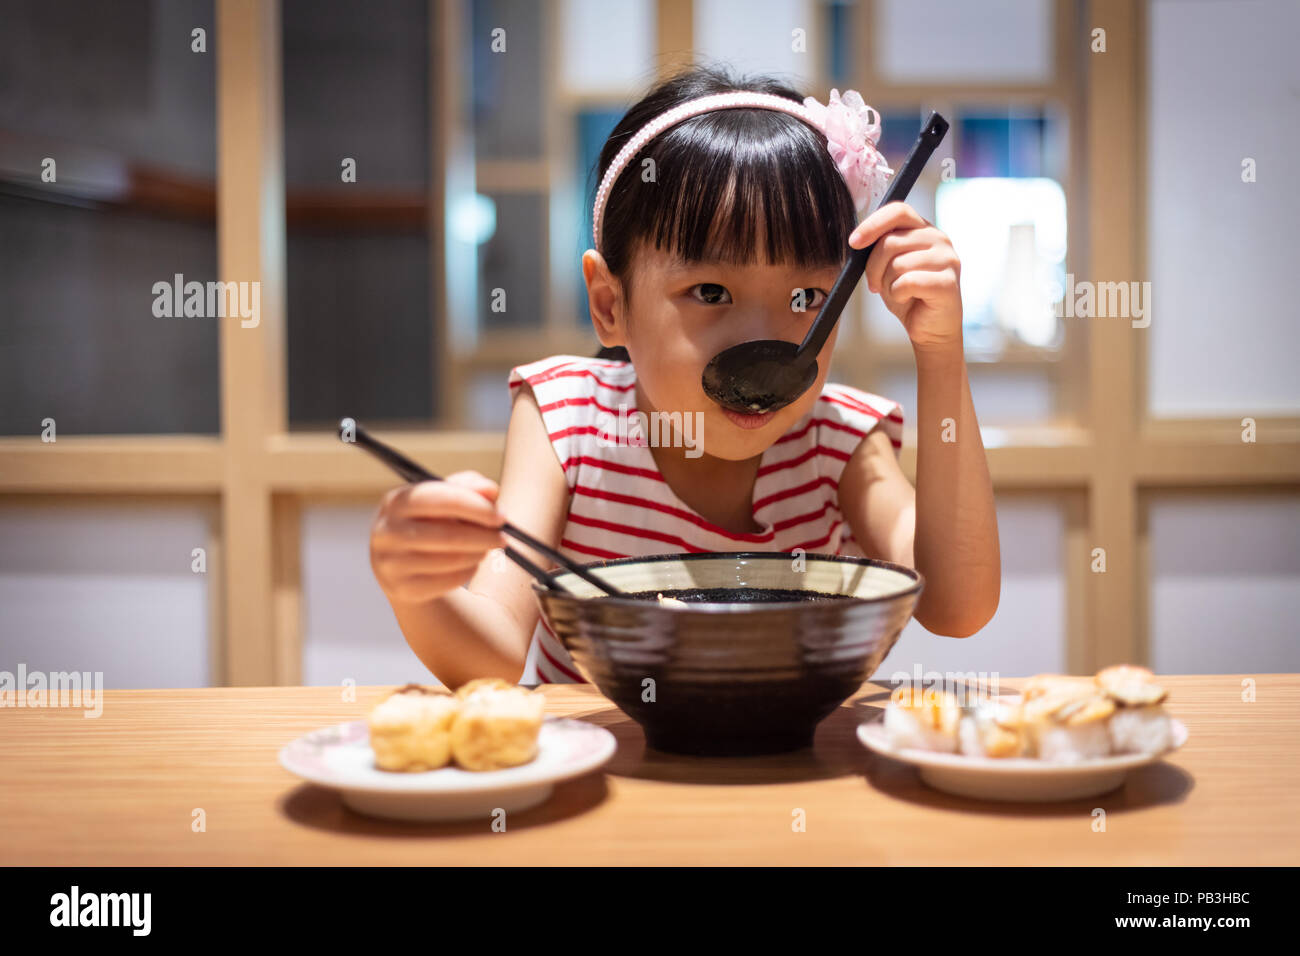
[263, 474]
[1112, 121]
[250, 247]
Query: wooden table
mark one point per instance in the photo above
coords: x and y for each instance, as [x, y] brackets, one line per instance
[122, 789]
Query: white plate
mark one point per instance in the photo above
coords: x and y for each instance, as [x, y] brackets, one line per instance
[1015, 778]
[340, 757]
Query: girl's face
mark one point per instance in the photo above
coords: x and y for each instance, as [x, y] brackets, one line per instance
[682, 314]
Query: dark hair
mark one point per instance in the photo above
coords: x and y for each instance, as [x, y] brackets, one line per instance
[720, 176]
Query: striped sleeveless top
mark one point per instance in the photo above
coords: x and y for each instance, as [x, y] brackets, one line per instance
[621, 506]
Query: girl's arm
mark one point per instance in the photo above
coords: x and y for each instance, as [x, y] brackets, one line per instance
[483, 629]
[946, 528]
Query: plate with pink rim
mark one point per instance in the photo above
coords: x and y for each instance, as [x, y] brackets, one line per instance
[1024, 779]
[339, 757]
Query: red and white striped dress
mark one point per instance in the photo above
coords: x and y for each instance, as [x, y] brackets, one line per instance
[621, 506]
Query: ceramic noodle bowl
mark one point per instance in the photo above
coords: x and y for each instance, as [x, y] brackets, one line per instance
[732, 679]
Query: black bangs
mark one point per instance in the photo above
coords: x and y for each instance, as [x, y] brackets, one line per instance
[739, 186]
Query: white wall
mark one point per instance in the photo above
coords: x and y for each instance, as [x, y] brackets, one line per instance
[1224, 334]
[105, 586]
[1225, 592]
[349, 631]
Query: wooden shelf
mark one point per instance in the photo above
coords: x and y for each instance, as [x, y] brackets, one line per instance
[112, 464]
[1055, 456]
[132, 187]
[320, 464]
[1015, 355]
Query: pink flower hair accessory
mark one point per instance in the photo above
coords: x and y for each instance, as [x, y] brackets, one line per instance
[851, 127]
[852, 130]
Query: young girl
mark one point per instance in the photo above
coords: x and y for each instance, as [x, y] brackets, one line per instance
[717, 222]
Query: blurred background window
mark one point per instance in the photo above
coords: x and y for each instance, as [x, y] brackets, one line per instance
[1002, 202]
[356, 154]
[999, 188]
[439, 160]
[107, 186]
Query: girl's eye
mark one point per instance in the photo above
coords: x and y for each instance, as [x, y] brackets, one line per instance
[807, 300]
[711, 293]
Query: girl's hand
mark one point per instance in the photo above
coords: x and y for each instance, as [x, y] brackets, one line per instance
[428, 538]
[917, 273]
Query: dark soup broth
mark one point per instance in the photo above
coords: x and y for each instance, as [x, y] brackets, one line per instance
[736, 595]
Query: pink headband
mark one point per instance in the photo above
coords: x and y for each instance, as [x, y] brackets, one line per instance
[851, 127]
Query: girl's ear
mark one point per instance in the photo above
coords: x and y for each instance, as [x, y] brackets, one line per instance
[605, 297]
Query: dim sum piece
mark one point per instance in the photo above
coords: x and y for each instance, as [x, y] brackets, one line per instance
[1068, 728]
[993, 729]
[1057, 718]
[410, 730]
[1059, 743]
[483, 683]
[1141, 730]
[497, 727]
[1140, 725]
[1058, 687]
[1130, 686]
[922, 720]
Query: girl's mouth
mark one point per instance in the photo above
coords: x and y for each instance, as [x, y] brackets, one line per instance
[748, 421]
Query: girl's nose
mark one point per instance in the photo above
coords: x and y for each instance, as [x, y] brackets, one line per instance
[781, 324]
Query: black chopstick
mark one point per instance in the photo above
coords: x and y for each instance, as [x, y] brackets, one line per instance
[413, 472]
